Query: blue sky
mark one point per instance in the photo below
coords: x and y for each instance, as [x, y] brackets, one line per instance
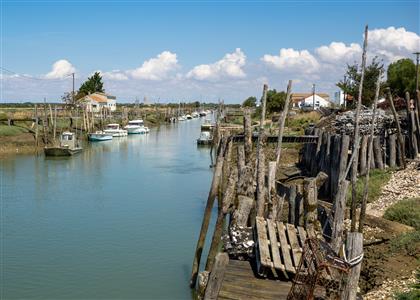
[111, 35]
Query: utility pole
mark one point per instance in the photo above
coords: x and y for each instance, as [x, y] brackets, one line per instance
[72, 94]
[344, 92]
[417, 81]
[313, 96]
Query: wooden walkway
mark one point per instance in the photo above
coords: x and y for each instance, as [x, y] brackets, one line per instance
[304, 139]
[240, 282]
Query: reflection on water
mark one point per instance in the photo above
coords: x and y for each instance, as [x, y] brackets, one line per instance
[120, 220]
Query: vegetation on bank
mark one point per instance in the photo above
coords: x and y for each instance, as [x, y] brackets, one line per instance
[414, 293]
[377, 179]
[6, 130]
[407, 212]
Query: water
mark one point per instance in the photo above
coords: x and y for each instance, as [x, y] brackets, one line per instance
[119, 220]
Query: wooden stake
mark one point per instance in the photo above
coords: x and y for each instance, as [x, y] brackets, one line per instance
[400, 138]
[207, 213]
[354, 248]
[356, 136]
[282, 120]
[372, 130]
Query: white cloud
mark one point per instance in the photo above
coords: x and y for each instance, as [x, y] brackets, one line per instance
[339, 52]
[114, 75]
[157, 68]
[230, 66]
[292, 61]
[393, 43]
[60, 69]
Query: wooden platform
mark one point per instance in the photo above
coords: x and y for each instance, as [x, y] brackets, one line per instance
[304, 139]
[240, 282]
[279, 247]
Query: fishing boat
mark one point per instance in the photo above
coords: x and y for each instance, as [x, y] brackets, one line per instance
[205, 138]
[115, 130]
[69, 146]
[136, 127]
[207, 125]
[188, 116]
[99, 136]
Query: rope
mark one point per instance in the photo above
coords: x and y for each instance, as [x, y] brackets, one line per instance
[354, 261]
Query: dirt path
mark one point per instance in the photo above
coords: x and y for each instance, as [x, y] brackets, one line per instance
[403, 184]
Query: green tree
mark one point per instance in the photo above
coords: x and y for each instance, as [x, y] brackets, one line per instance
[401, 77]
[92, 85]
[250, 102]
[353, 75]
[275, 101]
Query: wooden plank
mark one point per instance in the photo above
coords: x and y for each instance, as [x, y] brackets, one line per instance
[216, 276]
[284, 246]
[294, 244]
[302, 235]
[264, 252]
[274, 245]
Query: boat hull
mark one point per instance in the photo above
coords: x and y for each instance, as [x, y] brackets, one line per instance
[99, 137]
[201, 142]
[116, 133]
[59, 151]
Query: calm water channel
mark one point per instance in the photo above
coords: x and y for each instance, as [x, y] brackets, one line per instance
[119, 221]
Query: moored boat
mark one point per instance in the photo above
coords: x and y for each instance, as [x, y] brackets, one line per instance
[69, 146]
[99, 136]
[188, 116]
[136, 127]
[205, 138]
[115, 130]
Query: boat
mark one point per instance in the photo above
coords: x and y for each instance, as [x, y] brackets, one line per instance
[182, 118]
[205, 138]
[202, 113]
[207, 125]
[188, 116]
[136, 127]
[99, 136]
[115, 130]
[69, 146]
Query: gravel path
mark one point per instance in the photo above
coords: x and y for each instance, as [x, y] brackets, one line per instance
[403, 184]
[390, 287]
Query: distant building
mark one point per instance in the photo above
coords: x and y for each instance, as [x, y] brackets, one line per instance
[97, 101]
[305, 100]
[339, 98]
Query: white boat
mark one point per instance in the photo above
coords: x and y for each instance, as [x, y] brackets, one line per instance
[136, 127]
[195, 114]
[99, 136]
[115, 130]
[205, 138]
[182, 118]
[188, 116]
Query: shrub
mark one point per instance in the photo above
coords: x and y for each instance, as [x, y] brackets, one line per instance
[406, 211]
[377, 179]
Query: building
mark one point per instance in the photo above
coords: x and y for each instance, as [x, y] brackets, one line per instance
[98, 101]
[305, 100]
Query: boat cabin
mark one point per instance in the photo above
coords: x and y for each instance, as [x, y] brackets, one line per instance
[68, 139]
[136, 122]
[113, 126]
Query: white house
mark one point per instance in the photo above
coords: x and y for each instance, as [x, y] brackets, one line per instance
[97, 101]
[306, 100]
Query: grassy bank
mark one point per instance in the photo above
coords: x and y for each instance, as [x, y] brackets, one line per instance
[377, 179]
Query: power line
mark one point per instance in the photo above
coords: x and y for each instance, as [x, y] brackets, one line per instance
[34, 78]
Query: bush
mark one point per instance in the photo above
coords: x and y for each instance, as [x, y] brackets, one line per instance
[408, 242]
[406, 211]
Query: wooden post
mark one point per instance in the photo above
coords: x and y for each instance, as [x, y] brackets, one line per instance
[356, 136]
[377, 151]
[371, 144]
[292, 205]
[207, 213]
[282, 120]
[401, 144]
[392, 150]
[272, 195]
[338, 212]
[247, 136]
[412, 126]
[216, 276]
[363, 155]
[55, 122]
[261, 190]
[241, 214]
[36, 128]
[354, 248]
[310, 199]
[335, 164]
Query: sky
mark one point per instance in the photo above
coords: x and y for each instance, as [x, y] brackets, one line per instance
[171, 51]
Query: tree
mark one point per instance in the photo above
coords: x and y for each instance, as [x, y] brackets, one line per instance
[401, 77]
[250, 102]
[92, 85]
[68, 99]
[275, 101]
[353, 75]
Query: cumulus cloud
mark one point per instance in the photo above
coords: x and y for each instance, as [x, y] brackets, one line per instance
[293, 61]
[114, 75]
[157, 68]
[393, 43]
[339, 52]
[230, 66]
[60, 69]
